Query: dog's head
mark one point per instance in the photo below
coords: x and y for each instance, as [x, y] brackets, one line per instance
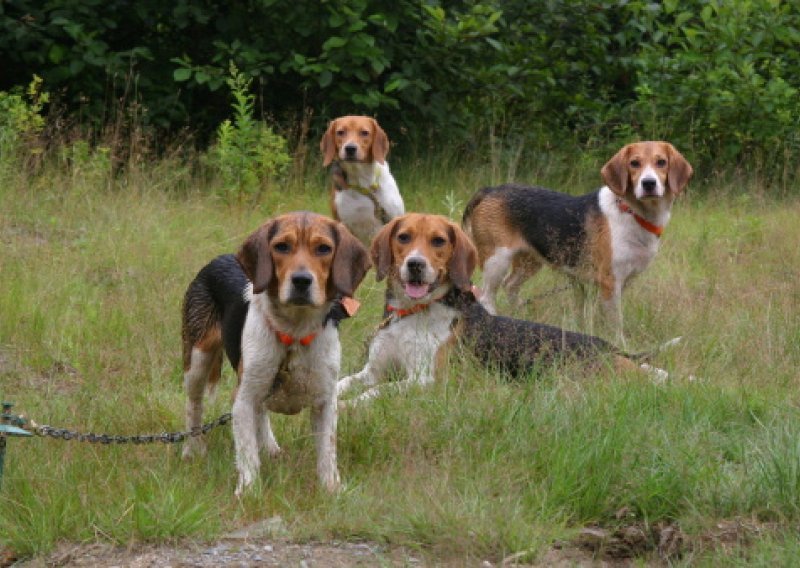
[354, 139]
[424, 255]
[303, 259]
[646, 170]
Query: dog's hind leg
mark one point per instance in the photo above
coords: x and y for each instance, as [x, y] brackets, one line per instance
[204, 368]
[494, 271]
[523, 268]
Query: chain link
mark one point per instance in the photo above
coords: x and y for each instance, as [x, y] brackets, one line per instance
[164, 437]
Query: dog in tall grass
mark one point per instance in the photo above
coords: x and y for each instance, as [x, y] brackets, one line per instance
[364, 194]
[274, 309]
[428, 262]
[605, 237]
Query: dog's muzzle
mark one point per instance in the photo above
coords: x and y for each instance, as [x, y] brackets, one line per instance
[300, 291]
[649, 187]
[350, 152]
[417, 277]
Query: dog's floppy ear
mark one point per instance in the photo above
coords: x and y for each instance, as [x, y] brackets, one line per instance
[256, 257]
[465, 257]
[380, 144]
[350, 262]
[615, 172]
[680, 171]
[328, 144]
[381, 249]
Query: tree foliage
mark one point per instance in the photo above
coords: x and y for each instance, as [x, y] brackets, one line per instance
[718, 77]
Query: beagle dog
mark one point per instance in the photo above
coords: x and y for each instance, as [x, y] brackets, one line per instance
[428, 261]
[605, 237]
[364, 195]
[274, 308]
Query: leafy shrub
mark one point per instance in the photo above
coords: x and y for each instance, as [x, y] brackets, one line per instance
[248, 154]
[720, 79]
[21, 122]
[723, 78]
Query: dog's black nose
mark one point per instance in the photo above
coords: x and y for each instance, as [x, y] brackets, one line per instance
[301, 281]
[350, 150]
[415, 266]
[649, 185]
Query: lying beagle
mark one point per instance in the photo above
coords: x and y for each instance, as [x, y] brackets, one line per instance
[606, 237]
[274, 308]
[364, 195]
[428, 261]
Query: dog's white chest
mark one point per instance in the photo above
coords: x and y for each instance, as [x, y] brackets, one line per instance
[633, 249]
[413, 341]
[357, 211]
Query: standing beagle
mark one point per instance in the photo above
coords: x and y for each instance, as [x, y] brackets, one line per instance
[605, 237]
[364, 195]
[273, 308]
[428, 261]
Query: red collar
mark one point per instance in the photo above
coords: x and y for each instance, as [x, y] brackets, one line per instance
[401, 313]
[289, 340]
[643, 223]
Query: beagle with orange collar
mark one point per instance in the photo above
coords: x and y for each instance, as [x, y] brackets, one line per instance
[428, 261]
[606, 237]
[364, 195]
[274, 309]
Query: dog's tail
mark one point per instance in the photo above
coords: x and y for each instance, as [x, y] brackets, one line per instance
[657, 374]
[650, 353]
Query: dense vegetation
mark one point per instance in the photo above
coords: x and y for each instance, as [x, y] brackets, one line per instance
[720, 79]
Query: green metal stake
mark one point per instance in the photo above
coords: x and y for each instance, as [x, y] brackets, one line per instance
[8, 428]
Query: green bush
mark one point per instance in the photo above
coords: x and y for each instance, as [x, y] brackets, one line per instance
[21, 122]
[248, 154]
[723, 79]
[720, 79]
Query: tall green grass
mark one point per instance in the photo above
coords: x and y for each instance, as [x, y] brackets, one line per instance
[92, 275]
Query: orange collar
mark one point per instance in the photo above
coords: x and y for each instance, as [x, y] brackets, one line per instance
[401, 313]
[289, 340]
[643, 223]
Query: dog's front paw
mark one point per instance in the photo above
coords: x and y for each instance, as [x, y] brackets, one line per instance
[343, 385]
[331, 482]
[245, 480]
[273, 450]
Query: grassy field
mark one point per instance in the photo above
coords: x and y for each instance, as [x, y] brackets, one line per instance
[474, 468]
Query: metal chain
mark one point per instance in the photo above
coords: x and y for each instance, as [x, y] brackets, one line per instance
[164, 437]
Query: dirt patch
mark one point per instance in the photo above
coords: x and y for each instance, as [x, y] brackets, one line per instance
[665, 541]
[595, 547]
[226, 553]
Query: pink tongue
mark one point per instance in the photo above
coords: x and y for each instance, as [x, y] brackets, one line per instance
[416, 290]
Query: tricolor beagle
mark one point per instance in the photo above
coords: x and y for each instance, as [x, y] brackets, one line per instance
[606, 237]
[273, 308]
[364, 195]
[428, 261]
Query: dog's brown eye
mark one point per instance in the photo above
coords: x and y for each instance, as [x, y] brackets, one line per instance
[662, 163]
[635, 163]
[404, 238]
[438, 241]
[340, 133]
[281, 248]
[323, 250]
[364, 133]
